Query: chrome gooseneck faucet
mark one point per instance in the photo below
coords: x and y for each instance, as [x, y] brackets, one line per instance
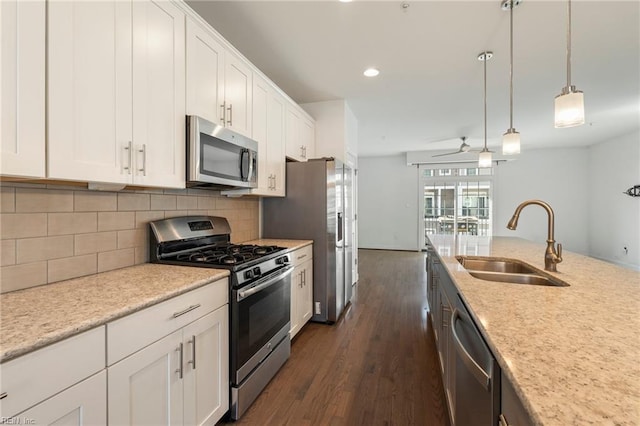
[551, 255]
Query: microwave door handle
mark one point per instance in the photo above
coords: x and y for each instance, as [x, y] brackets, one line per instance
[252, 164]
[244, 165]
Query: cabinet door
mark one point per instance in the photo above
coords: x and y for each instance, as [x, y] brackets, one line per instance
[205, 73]
[293, 137]
[238, 90]
[206, 364]
[276, 110]
[305, 304]
[146, 387]
[159, 94]
[22, 88]
[81, 404]
[259, 133]
[296, 282]
[89, 90]
[307, 134]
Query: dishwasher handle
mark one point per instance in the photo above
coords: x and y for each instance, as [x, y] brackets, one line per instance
[483, 377]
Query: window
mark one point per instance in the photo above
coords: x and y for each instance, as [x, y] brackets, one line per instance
[456, 200]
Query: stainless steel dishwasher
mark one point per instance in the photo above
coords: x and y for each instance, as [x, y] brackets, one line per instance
[477, 374]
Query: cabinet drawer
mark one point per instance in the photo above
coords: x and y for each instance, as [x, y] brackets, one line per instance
[302, 255]
[133, 332]
[33, 377]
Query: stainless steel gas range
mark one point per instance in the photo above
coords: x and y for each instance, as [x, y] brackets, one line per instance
[259, 296]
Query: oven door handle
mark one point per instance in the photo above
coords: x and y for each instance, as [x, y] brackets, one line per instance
[286, 271]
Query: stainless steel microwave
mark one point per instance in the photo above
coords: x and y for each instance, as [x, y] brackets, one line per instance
[218, 157]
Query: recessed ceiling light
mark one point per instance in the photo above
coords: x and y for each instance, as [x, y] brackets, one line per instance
[346, 1]
[371, 72]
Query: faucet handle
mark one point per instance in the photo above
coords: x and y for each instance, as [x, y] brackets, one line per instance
[559, 254]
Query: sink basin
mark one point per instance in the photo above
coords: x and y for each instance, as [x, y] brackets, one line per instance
[507, 271]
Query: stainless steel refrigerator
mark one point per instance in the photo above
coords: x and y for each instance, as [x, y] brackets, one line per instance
[314, 209]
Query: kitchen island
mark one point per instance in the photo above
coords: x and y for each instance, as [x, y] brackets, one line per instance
[572, 353]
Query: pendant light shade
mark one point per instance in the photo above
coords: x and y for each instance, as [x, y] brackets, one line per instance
[511, 138]
[569, 104]
[484, 159]
[511, 142]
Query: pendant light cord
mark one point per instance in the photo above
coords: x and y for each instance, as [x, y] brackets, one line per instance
[486, 58]
[569, 44]
[511, 67]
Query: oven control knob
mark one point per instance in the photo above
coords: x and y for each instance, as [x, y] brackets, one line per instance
[257, 272]
[248, 274]
[282, 260]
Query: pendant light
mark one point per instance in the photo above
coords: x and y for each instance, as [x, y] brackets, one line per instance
[511, 138]
[569, 105]
[484, 159]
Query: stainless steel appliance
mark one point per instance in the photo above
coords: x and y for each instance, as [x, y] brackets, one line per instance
[259, 296]
[218, 157]
[314, 209]
[477, 374]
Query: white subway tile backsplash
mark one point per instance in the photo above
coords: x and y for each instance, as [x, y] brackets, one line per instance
[17, 277]
[43, 200]
[95, 242]
[23, 225]
[72, 223]
[128, 201]
[7, 252]
[50, 232]
[116, 259]
[95, 201]
[163, 202]
[35, 249]
[115, 221]
[7, 199]
[71, 267]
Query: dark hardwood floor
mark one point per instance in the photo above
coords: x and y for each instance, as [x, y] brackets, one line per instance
[376, 366]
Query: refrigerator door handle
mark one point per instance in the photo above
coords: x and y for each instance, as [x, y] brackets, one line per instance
[340, 226]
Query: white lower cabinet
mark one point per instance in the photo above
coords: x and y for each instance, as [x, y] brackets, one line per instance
[183, 378]
[83, 404]
[301, 288]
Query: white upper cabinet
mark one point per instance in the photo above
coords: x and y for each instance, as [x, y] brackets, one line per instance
[22, 88]
[116, 95]
[219, 83]
[205, 73]
[159, 123]
[336, 129]
[268, 110]
[238, 90]
[300, 138]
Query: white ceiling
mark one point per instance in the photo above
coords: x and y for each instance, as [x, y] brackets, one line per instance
[430, 85]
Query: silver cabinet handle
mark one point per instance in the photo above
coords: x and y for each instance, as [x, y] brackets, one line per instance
[302, 256]
[304, 277]
[181, 350]
[184, 311]
[143, 151]
[3, 395]
[127, 151]
[224, 110]
[193, 352]
[230, 120]
[483, 377]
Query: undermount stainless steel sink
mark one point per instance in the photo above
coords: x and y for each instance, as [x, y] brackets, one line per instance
[507, 270]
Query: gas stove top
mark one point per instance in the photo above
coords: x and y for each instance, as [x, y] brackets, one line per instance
[225, 255]
[204, 241]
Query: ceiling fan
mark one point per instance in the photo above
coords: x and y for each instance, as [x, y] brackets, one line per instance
[464, 147]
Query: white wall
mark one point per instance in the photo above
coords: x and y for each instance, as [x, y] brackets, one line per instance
[387, 203]
[614, 217]
[556, 176]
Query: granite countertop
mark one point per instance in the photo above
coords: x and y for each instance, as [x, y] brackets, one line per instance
[36, 317]
[290, 244]
[572, 353]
